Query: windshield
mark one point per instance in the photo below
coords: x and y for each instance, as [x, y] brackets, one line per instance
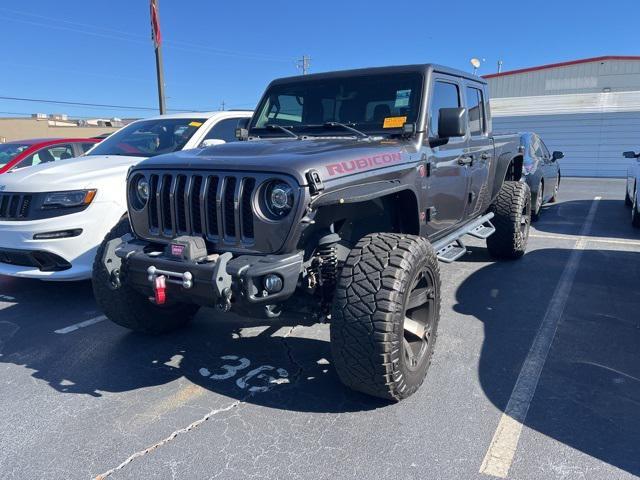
[9, 151]
[148, 138]
[375, 104]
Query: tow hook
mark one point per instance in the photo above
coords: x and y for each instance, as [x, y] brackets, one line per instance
[224, 303]
[160, 290]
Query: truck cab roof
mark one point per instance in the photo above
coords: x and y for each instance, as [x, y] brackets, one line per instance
[425, 68]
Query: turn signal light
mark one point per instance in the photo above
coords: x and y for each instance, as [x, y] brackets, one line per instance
[59, 234]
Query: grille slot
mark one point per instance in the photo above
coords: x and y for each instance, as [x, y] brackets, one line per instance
[246, 207]
[180, 214]
[153, 202]
[14, 206]
[194, 203]
[217, 207]
[165, 203]
[229, 207]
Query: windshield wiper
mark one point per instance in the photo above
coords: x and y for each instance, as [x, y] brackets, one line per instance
[346, 127]
[271, 126]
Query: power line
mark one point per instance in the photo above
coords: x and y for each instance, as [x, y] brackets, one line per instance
[139, 39]
[102, 105]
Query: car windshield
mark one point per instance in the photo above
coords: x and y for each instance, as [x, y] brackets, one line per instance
[8, 151]
[374, 104]
[148, 138]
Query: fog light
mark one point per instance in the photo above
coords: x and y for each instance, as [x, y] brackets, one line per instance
[273, 283]
[60, 234]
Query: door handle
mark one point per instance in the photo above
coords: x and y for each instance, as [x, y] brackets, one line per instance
[466, 159]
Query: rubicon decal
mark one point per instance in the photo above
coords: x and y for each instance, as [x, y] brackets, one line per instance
[364, 163]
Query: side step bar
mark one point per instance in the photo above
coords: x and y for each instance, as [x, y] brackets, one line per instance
[450, 248]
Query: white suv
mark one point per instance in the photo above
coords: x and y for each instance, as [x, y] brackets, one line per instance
[54, 216]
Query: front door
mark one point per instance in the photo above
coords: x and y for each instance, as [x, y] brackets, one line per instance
[447, 184]
[479, 150]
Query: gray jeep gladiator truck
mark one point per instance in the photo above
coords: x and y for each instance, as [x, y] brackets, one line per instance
[346, 191]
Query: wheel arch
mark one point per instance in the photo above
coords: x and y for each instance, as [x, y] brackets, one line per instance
[393, 210]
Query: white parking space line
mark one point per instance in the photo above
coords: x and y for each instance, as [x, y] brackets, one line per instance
[591, 239]
[499, 456]
[77, 326]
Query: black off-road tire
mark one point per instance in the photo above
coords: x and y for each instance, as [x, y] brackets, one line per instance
[512, 209]
[535, 213]
[129, 308]
[368, 337]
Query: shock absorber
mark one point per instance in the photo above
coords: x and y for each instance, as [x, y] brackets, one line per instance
[327, 264]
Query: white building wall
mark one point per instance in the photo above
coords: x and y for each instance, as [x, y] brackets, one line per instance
[590, 111]
[592, 142]
[592, 77]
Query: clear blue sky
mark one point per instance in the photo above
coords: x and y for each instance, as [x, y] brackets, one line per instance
[101, 52]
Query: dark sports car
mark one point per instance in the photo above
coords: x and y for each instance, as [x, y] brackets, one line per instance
[541, 171]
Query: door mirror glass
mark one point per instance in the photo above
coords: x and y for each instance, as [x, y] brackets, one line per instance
[211, 142]
[630, 155]
[557, 156]
[452, 122]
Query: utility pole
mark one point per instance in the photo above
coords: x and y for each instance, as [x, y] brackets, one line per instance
[304, 63]
[156, 36]
[222, 105]
[499, 66]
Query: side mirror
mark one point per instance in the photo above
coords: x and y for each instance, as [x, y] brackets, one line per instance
[452, 122]
[630, 155]
[242, 130]
[557, 156]
[211, 142]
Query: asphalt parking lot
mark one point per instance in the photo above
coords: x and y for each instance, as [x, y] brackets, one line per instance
[553, 340]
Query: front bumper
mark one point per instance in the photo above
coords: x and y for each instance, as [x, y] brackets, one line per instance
[16, 238]
[236, 280]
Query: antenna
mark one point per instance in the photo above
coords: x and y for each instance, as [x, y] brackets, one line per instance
[304, 63]
[475, 63]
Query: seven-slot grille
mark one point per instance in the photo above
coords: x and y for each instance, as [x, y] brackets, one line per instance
[217, 207]
[14, 206]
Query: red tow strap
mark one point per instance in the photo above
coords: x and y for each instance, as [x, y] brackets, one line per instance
[159, 289]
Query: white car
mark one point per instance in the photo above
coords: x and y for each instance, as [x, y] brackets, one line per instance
[54, 216]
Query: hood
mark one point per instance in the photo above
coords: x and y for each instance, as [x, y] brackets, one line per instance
[72, 174]
[333, 157]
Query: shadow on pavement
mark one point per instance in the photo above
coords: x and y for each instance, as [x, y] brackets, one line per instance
[589, 393]
[567, 218]
[107, 358]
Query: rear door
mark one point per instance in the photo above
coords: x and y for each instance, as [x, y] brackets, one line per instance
[447, 185]
[479, 150]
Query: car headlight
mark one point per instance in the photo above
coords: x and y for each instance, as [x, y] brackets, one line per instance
[74, 198]
[142, 189]
[138, 191]
[278, 198]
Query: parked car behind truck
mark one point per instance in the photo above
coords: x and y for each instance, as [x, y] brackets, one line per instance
[53, 216]
[349, 188]
[27, 153]
[541, 171]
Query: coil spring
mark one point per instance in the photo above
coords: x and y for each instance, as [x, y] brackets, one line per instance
[327, 254]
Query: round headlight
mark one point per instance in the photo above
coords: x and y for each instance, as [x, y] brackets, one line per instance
[279, 199]
[142, 189]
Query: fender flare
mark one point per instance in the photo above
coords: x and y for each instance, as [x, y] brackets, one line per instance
[503, 163]
[360, 193]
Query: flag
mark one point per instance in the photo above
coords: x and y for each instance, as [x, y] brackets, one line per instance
[156, 36]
